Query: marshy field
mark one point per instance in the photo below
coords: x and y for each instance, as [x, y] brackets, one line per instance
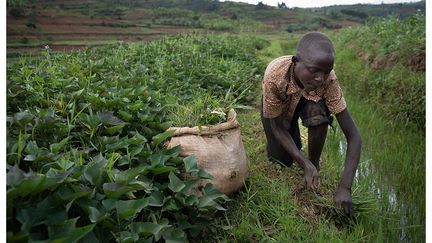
[86, 124]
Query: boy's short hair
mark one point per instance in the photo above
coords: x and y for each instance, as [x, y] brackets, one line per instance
[312, 42]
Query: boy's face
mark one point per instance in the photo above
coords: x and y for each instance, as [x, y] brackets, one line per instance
[314, 70]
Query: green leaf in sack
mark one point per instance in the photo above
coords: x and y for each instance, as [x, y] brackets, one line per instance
[147, 229]
[175, 184]
[158, 139]
[130, 208]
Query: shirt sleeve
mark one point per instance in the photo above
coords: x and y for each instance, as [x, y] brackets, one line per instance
[333, 97]
[272, 105]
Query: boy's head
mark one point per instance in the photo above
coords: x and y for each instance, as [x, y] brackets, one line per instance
[314, 60]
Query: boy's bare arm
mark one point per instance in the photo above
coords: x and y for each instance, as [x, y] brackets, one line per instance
[343, 195]
[311, 174]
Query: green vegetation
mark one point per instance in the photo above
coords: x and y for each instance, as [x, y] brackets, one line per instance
[110, 15]
[397, 49]
[84, 154]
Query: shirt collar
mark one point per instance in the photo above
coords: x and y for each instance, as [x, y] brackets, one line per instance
[292, 85]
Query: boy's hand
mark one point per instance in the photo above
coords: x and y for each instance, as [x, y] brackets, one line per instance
[343, 200]
[312, 178]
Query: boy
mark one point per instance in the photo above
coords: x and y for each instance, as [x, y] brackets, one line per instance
[306, 86]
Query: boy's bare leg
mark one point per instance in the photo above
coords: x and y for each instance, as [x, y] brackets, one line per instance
[316, 139]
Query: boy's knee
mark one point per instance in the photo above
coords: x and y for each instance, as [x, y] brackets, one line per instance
[315, 113]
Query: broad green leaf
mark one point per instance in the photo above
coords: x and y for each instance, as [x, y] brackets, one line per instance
[158, 139]
[175, 184]
[188, 186]
[190, 164]
[93, 172]
[115, 129]
[32, 185]
[95, 215]
[164, 126]
[56, 147]
[67, 231]
[173, 235]
[66, 194]
[156, 199]
[54, 178]
[162, 170]
[170, 205]
[137, 139]
[108, 118]
[127, 175]
[32, 148]
[130, 208]
[136, 150]
[158, 159]
[125, 115]
[116, 146]
[14, 176]
[146, 228]
[209, 197]
[115, 190]
[127, 237]
[23, 118]
[79, 233]
[204, 175]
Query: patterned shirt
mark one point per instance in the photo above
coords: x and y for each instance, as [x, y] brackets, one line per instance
[281, 95]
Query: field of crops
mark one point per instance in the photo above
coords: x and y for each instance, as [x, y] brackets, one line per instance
[85, 135]
[84, 152]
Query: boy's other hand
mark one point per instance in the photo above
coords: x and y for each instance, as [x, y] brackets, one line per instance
[343, 200]
[312, 178]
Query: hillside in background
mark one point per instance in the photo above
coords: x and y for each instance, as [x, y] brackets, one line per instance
[66, 24]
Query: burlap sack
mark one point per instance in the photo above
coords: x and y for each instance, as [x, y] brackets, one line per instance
[218, 150]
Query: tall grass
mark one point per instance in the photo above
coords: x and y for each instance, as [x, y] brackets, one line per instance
[396, 89]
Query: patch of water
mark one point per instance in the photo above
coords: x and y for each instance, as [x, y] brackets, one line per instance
[384, 192]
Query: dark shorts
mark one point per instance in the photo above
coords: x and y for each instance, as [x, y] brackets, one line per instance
[311, 113]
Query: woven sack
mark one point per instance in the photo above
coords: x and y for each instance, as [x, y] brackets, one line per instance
[218, 150]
